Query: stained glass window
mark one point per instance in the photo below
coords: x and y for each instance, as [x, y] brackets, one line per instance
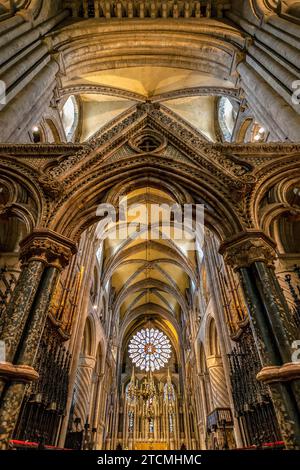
[131, 421]
[150, 349]
[169, 392]
[171, 424]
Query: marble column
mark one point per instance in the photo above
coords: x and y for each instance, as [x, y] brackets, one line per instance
[44, 254]
[19, 308]
[20, 305]
[252, 255]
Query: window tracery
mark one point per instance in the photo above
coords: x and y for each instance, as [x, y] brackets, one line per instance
[149, 349]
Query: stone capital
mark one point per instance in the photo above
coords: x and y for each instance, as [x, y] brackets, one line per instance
[246, 248]
[18, 373]
[286, 372]
[48, 247]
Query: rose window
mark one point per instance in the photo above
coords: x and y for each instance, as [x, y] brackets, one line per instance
[149, 349]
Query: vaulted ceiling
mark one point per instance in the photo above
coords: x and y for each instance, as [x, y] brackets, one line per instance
[150, 275]
[191, 95]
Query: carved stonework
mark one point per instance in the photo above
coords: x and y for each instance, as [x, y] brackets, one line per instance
[5, 210]
[52, 187]
[273, 374]
[101, 89]
[170, 125]
[19, 373]
[147, 9]
[193, 139]
[248, 247]
[49, 247]
[105, 138]
[180, 93]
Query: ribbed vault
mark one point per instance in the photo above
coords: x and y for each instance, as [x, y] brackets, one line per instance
[149, 274]
[110, 67]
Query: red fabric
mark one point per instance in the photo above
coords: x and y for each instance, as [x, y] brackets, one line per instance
[32, 444]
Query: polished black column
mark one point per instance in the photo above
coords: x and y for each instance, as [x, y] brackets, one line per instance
[47, 252]
[19, 307]
[251, 254]
[269, 348]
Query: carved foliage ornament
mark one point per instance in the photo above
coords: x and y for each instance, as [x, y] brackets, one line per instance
[52, 187]
[248, 248]
[48, 247]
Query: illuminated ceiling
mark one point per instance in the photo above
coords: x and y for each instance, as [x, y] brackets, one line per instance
[106, 94]
[150, 81]
[149, 274]
[149, 277]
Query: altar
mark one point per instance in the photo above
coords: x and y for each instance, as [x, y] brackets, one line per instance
[150, 445]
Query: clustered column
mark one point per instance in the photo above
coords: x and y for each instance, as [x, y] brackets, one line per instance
[252, 255]
[44, 254]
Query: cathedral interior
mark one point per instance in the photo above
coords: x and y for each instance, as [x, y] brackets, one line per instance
[117, 334]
